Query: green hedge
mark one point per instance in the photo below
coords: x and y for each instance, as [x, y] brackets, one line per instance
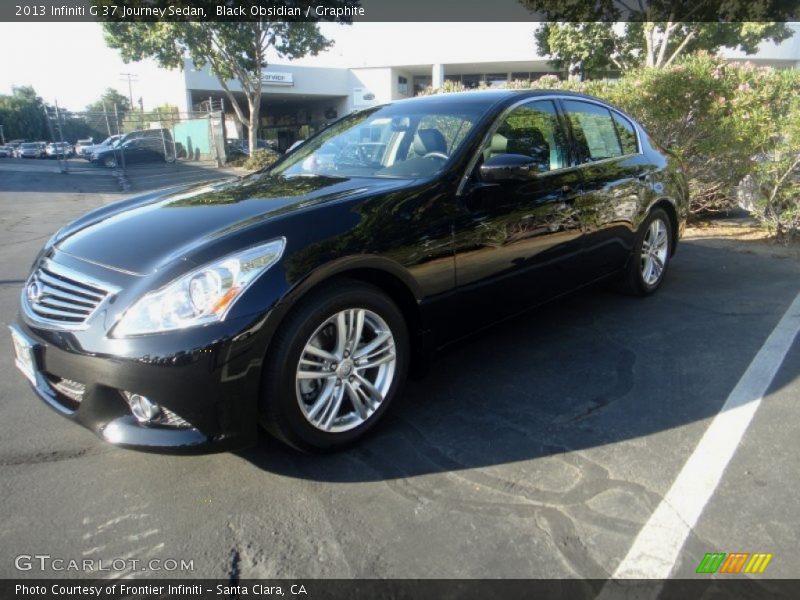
[728, 123]
[259, 159]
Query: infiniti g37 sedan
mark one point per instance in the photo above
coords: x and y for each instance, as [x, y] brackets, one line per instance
[299, 298]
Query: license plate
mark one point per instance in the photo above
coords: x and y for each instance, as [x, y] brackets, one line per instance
[24, 356]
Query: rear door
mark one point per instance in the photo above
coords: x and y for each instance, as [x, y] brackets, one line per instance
[614, 174]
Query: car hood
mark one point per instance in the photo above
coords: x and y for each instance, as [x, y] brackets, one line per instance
[143, 234]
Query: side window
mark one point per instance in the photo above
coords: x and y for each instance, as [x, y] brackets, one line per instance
[627, 134]
[531, 130]
[594, 130]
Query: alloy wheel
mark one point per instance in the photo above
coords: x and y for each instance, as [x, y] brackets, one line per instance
[655, 251]
[346, 370]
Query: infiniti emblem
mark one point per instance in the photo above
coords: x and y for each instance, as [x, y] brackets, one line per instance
[34, 291]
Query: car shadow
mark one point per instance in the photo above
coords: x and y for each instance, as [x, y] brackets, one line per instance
[591, 370]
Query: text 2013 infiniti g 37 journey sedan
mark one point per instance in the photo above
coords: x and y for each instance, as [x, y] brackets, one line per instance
[300, 297]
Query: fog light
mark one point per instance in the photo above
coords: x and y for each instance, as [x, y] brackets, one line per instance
[142, 408]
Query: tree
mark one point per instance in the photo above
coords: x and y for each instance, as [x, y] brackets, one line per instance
[22, 114]
[109, 100]
[233, 51]
[584, 39]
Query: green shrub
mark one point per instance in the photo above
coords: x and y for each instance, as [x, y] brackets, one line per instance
[259, 159]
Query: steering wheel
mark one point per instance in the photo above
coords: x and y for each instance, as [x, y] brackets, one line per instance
[441, 155]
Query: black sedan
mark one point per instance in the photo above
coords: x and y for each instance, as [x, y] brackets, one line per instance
[300, 297]
[132, 151]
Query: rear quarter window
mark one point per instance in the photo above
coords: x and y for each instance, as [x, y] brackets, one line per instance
[627, 134]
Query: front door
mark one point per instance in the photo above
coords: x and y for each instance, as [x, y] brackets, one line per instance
[519, 242]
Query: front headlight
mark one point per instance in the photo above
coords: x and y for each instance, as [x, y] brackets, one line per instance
[201, 296]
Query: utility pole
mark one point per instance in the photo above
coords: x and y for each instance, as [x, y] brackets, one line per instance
[63, 155]
[108, 125]
[130, 77]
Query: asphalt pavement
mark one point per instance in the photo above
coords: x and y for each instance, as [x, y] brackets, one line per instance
[536, 450]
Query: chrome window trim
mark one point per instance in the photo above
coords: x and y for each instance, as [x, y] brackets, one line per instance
[59, 269]
[554, 98]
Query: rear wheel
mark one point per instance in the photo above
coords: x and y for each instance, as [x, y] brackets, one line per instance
[334, 367]
[110, 162]
[651, 254]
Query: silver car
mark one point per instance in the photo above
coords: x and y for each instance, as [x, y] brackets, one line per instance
[31, 150]
[59, 149]
[82, 146]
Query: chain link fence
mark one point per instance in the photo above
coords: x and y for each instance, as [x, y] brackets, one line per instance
[136, 140]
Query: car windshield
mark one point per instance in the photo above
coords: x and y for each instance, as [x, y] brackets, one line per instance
[29, 146]
[403, 140]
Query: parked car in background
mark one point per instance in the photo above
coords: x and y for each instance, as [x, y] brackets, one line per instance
[32, 150]
[236, 147]
[136, 150]
[6, 151]
[14, 145]
[109, 142]
[59, 150]
[81, 145]
[298, 297]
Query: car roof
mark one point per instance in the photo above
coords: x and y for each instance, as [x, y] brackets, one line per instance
[486, 99]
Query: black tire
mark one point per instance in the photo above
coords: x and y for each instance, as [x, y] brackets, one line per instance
[110, 162]
[633, 281]
[279, 405]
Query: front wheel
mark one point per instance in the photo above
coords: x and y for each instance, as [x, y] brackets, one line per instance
[334, 367]
[110, 162]
[651, 254]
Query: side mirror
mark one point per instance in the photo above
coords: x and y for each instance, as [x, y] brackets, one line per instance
[508, 167]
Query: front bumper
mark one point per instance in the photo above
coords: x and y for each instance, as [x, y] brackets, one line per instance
[212, 385]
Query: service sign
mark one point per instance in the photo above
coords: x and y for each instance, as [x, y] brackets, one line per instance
[276, 78]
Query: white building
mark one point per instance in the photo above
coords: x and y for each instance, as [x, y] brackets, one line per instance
[298, 100]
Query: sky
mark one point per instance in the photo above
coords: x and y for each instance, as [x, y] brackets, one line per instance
[81, 66]
[77, 69]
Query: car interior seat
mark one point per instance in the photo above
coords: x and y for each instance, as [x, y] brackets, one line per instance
[427, 141]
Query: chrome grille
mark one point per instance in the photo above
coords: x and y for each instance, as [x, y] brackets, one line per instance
[170, 419]
[71, 389]
[61, 298]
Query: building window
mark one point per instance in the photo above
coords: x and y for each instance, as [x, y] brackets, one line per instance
[402, 85]
[496, 80]
[421, 83]
[521, 76]
[471, 81]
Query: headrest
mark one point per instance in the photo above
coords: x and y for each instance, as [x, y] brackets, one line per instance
[499, 144]
[429, 140]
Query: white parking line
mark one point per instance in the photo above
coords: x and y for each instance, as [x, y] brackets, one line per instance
[656, 548]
